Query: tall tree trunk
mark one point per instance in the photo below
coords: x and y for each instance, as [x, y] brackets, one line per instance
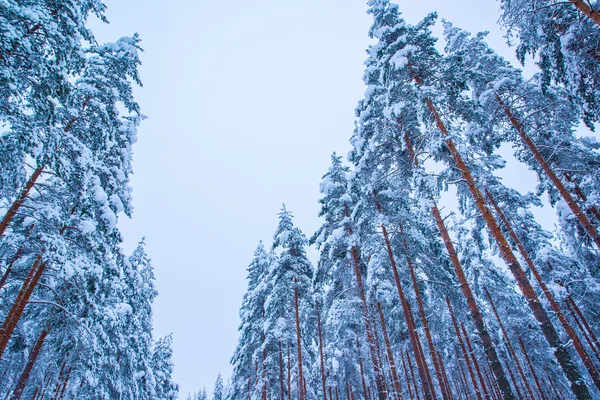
[16, 205]
[582, 195]
[412, 374]
[9, 267]
[584, 7]
[579, 348]
[579, 214]
[531, 369]
[509, 345]
[281, 372]
[410, 322]
[323, 379]
[302, 395]
[289, 374]
[560, 352]
[390, 354]
[445, 377]
[514, 383]
[35, 352]
[484, 388]
[463, 377]
[362, 371]
[584, 333]
[407, 378]
[578, 315]
[478, 321]
[464, 351]
[16, 310]
[432, 350]
[264, 372]
[379, 382]
[64, 385]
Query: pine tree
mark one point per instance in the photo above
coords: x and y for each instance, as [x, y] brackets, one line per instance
[218, 391]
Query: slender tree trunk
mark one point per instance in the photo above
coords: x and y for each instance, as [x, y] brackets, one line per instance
[584, 7]
[323, 379]
[407, 378]
[16, 205]
[281, 372]
[464, 351]
[510, 346]
[390, 354]
[337, 388]
[35, 352]
[578, 316]
[582, 196]
[584, 333]
[11, 320]
[264, 372]
[289, 374]
[560, 352]
[362, 371]
[579, 214]
[463, 377]
[381, 392]
[348, 397]
[9, 267]
[61, 376]
[484, 388]
[64, 385]
[514, 383]
[486, 340]
[445, 377]
[379, 356]
[302, 395]
[432, 350]
[579, 348]
[412, 329]
[531, 369]
[412, 374]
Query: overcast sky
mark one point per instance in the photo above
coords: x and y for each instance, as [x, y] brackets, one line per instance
[246, 100]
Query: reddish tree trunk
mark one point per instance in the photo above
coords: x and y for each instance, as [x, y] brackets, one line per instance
[281, 372]
[587, 10]
[407, 378]
[560, 352]
[302, 395]
[16, 310]
[509, 345]
[579, 214]
[289, 374]
[412, 374]
[582, 196]
[587, 362]
[390, 354]
[445, 377]
[381, 392]
[484, 388]
[35, 352]
[578, 315]
[531, 369]
[323, 379]
[486, 340]
[583, 331]
[412, 329]
[464, 351]
[362, 371]
[463, 378]
[16, 205]
[514, 382]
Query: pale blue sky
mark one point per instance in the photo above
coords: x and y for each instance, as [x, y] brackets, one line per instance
[246, 101]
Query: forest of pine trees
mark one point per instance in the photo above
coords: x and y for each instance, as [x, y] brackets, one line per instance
[413, 300]
[75, 310]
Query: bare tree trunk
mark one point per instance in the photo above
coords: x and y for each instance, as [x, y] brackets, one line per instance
[463, 377]
[323, 379]
[362, 371]
[390, 354]
[579, 317]
[9, 267]
[464, 351]
[560, 352]
[11, 320]
[484, 388]
[587, 362]
[302, 395]
[579, 214]
[582, 196]
[407, 378]
[486, 340]
[509, 345]
[281, 379]
[514, 383]
[381, 392]
[587, 10]
[445, 377]
[35, 352]
[14, 208]
[289, 374]
[412, 374]
[64, 385]
[531, 369]
[412, 329]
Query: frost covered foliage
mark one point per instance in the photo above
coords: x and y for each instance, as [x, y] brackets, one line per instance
[75, 315]
[411, 298]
